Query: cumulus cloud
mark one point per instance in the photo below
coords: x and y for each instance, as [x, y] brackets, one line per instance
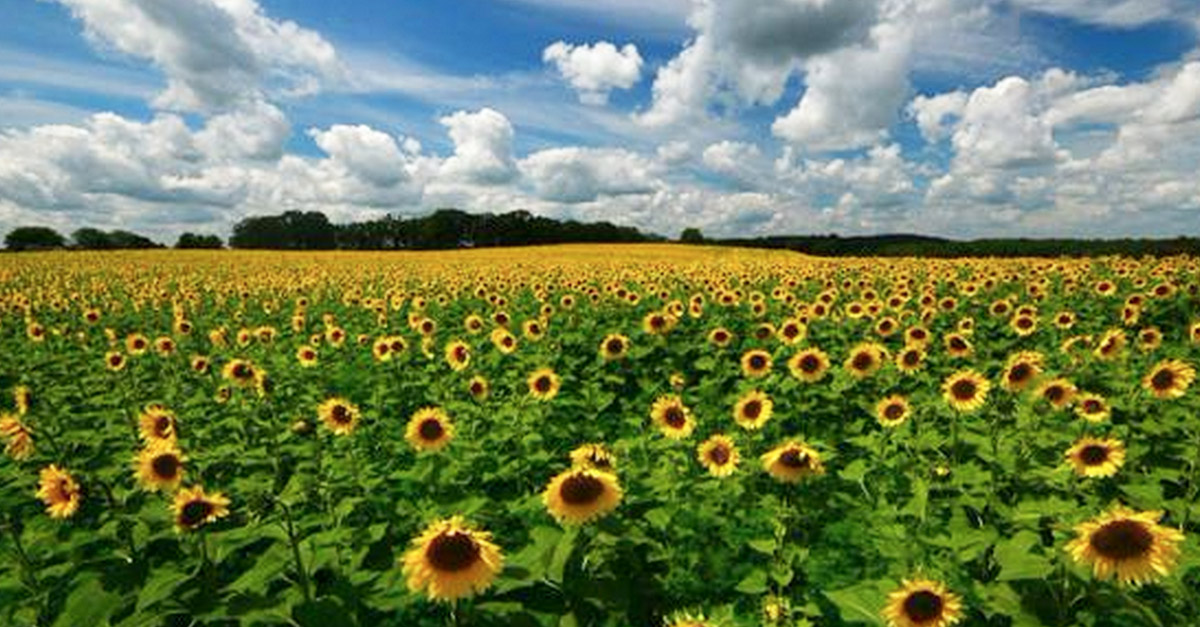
[1118, 13]
[483, 151]
[216, 54]
[575, 175]
[597, 69]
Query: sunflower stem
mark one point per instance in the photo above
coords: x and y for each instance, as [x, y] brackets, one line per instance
[300, 569]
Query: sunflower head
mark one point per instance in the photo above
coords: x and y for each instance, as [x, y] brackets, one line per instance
[720, 337]
[719, 455]
[59, 491]
[1093, 457]
[1022, 369]
[478, 388]
[792, 461]
[114, 361]
[1058, 392]
[159, 466]
[892, 411]
[307, 356]
[194, 509]
[922, 603]
[595, 456]
[809, 365]
[673, 418]
[965, 390]
[910, 358]
[157, 424]
[1169, 379]
[450, 560]
[458, 355]
[864, 360]
[1130, 546]
[1092, 407]
[753, 410]
[614, 346]
[429, 429]
[339, 414]
[543, 384]
[579, 495]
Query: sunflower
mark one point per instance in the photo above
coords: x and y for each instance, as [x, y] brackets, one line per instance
[1149, 339]
[1110, 345]
[478, 388]
[22, 398]
[543, 384]
[718, 455]
[865, 359]
[792, 461]
[429, 429]
[58, 490]
[159, 466]
[756, 363]
[1168, 379]
[339, 414]
[164, 346]
[614, 346]
[136, 344]
[1194, 332]
[1022, 369]
[792, 332]
[114, 361]
[157, 424]
[658, 323]
[809, 365]
[1058, 392]
[450, 560]
[916, 335]
[957, 345]
[922, 603]
[910, 358]
[1092, 407]
[1126, 544]
[965, 390]
[720, 337]
[381, 349]
[593, 456]
[753, 410]
[20, 438]
[1092, 457]
[458, 355]
[504, 340]
[578, 495]
[1023, 325]
[687, 619]
[892, 411]
[307, 356]
[194, 509]
[673, 418]
[239, 371]
[200, 364]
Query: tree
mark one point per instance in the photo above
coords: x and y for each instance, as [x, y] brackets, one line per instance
[126, 239]
[192, 240]
[691, 236]
[88, 238]
[33, 238]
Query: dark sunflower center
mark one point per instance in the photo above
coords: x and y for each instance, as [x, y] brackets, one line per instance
[581, 489]
[758, 362]
[790, 331]
[911, 358]
[752, 409]
[1020, 372]
[542, 384]
[810, 363]
[1092, 406]
[862, 361]
[452, 552]
[241, 371]
[138, 344]
[762, 333]
[1094, 454]
[162, 426]
[917, 334]
[720, 336]
[719, 455]
[340, 414]
[614, 346]
[1024, 323]
[115, 360]
[476, 388]
[793, 458]
[885, 326]
[508, 342]
[431, 429]
[1055, 393]
[674, 417]
[958, 344]
[165, 466]
[1122, 539]
[308, 355]
[1064, 319]
[195, 512]
[460, 353]
[893, 411]
[656, 322]
[963, 389]
[1163, 379]
[922, 606]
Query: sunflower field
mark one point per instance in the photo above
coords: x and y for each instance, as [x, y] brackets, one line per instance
[597, 435]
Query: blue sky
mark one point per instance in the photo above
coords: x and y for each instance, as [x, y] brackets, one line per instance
[965, 118]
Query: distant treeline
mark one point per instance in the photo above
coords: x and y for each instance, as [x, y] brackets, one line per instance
[922, 246]
[444, 228]
[87, 238]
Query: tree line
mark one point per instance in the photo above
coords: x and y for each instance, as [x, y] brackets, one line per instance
[87, 238]
[922, 246]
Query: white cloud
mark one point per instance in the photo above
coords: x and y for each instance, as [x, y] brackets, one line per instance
[257, 130]
[935, 114]
[597, 69]
[1118, 13]
[216, 54]
[574, 175]
[483, 151]
[365, 152]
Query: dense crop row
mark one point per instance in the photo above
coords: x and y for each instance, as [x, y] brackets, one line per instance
[642, 435]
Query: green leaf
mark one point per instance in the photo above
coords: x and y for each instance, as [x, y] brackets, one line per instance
[861, 602]
[754, 583]
[1017, 559]
[159, 586]
[766, 546]
[88, 604]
